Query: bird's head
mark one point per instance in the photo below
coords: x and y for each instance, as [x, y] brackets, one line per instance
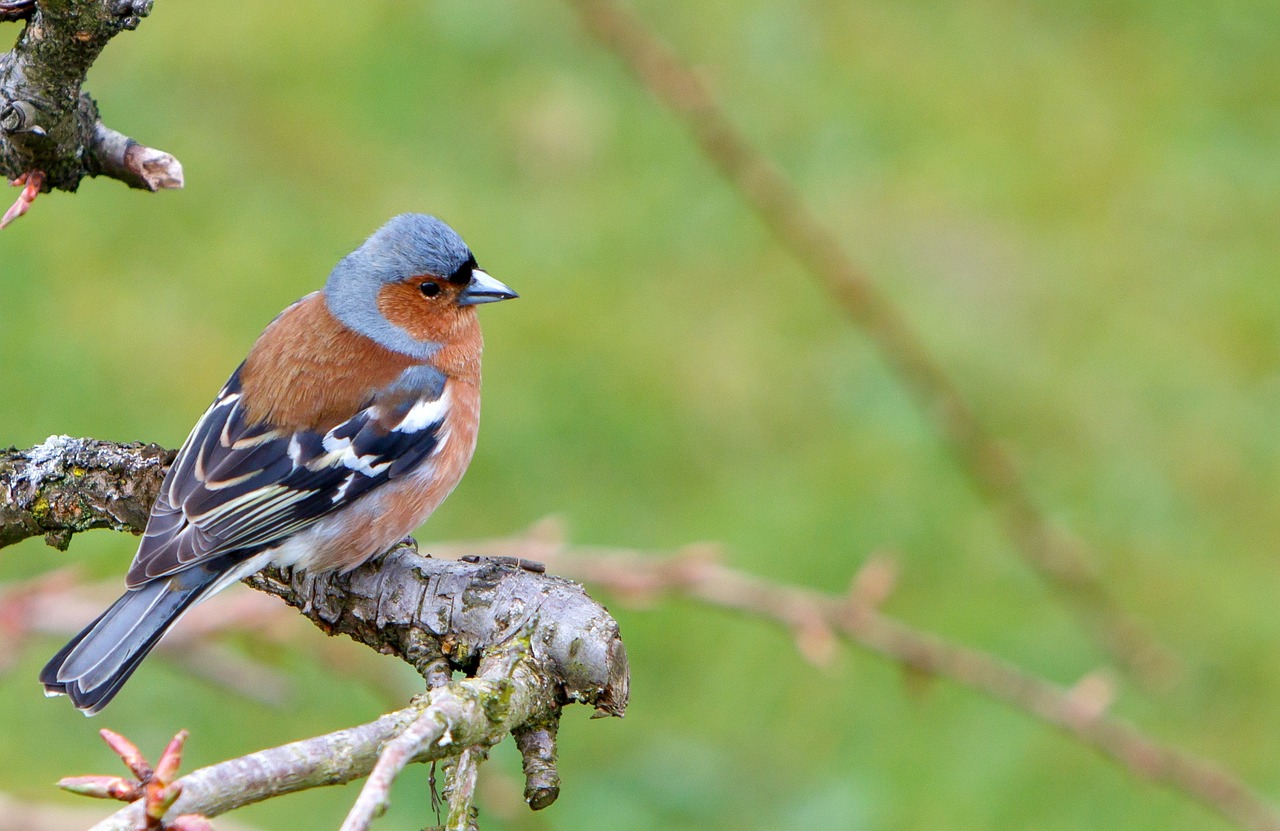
[411, 287]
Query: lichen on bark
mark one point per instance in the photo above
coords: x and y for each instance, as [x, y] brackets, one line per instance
[67, 485]
[527, 643]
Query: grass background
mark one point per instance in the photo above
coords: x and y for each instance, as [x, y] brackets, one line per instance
[1075, 203]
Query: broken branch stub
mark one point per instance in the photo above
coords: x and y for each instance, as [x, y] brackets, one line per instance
[530, 642]
[47, 123]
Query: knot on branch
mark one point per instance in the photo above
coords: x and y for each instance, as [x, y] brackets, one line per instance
[19, 117]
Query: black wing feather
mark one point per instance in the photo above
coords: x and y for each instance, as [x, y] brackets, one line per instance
[237, 488]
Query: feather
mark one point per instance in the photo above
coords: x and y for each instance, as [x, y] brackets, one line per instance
[237, 488]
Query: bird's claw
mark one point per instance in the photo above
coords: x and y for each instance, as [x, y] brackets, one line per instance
[31, 182]
[408, 544]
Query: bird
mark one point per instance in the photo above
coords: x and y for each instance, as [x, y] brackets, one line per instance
[351, 419]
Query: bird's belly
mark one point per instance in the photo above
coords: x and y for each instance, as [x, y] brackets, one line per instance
[347, 540]
[370, 526]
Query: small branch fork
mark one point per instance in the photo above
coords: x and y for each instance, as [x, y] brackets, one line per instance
[442, 723]
[459, 719]
[819, 621]
[51, 135]
[530, 643]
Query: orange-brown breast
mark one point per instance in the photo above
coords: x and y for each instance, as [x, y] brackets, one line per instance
[385, 516]
[408, 509]
[308, 371]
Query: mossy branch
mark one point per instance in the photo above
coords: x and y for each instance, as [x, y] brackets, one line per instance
[48, 125]
[509, 690]
[529, 643]
[65, 485]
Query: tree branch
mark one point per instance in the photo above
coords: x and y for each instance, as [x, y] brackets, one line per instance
[534, 642]
[442, 615]
[68, 485]
[47, 125]
[817, 619]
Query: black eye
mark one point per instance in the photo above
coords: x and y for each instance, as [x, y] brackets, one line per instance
[429, 289]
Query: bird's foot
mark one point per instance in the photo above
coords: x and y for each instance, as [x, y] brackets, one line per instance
[532, 566]
[31, 183]
[408, 543]
[16, 9]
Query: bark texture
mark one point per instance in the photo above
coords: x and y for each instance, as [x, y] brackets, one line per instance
[527, 642]
[445, 615]
[68, 485]
[47, 123]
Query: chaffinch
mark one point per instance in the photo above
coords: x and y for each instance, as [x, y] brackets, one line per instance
[352, 418]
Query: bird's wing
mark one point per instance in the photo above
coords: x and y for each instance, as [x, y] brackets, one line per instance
[237, 488]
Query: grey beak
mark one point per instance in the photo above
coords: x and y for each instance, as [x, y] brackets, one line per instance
[484, 289]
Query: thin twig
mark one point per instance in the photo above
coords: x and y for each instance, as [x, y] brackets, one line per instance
[1059, 557]
[1079, 711]
[425, 730]
[462, 790]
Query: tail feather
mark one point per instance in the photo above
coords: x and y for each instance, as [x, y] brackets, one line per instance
[96, 663]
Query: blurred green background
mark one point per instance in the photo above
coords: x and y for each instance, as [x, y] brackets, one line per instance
[1076, 204]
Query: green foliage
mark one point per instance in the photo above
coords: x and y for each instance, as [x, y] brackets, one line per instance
[1074, 203]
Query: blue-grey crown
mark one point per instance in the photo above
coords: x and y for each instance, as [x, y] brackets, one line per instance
[407, 245]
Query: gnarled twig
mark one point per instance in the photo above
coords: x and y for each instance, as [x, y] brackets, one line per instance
[51, 130]
[534, 642]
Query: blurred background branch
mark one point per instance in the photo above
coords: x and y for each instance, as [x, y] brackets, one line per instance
[1059, 556]
[815, 620]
